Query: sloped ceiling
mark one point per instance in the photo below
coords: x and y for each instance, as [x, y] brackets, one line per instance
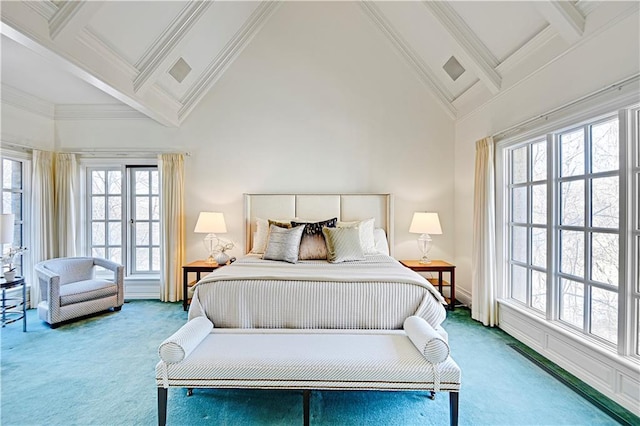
[126, 50]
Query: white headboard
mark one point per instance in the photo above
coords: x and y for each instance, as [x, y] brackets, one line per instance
[346, 207]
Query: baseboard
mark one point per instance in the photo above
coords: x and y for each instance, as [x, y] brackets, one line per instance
[141, 289]
[464, 297]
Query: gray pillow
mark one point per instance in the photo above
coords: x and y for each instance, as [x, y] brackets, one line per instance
[283, 244]
[343, 244]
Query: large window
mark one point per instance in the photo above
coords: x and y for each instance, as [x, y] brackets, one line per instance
[566, 232]
[13, 201]
[124, 218]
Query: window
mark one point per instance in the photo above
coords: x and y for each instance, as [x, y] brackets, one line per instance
[124, 218]
[13, 201]
[567, 243]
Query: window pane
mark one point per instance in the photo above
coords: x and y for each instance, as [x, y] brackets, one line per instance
[519, 238]
[142, 208]
[539, 204]
[572, 309]
[604, 258]
[97, 208]
[98, 252]
[519, 205]
[539, 247]
[155, 259]
[115, 233]
[604, 314]
[519, 283]
[155, 187]
[115, 208]
[605, 202]
[572, 203]
[115, 182]
[539, 290]
[11, 174]
[115, 254]
[97, 182]
[97, 234]
[142, 259]
[519, 165]
[539, 161]
[572, 153]
[572, 253]
[16, 205]
[142, 233]
[605, 152]
[155, 208]
[142, 182]
[155, 235]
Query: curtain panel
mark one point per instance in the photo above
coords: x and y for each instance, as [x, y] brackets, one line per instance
[484, 307]
[66, 186]
[172, 226]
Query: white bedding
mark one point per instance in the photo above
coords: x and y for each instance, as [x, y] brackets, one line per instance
[377, 293]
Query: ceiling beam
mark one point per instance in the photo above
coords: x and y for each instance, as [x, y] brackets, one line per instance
[72, 17]
[425, 74]
[564, 17]
[165, 50]
[469, 49]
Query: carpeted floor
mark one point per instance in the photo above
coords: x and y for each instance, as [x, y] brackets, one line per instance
[101, 371]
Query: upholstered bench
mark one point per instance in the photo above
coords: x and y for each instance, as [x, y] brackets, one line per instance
[200, 356]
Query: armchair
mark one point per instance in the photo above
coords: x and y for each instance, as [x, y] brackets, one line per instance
[70, 289]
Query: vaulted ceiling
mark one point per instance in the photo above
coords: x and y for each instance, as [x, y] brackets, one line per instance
[162, 57]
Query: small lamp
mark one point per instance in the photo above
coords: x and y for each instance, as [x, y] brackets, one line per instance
[425, 223]
[211, 223]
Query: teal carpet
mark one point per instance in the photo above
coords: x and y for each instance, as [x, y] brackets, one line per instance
[101, 371]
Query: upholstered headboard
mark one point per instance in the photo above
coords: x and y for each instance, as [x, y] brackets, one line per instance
[346, 207]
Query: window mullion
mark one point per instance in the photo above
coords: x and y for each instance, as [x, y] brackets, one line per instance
[553, 219]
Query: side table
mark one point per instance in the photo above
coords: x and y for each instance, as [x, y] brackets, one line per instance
[438, 266]
[199, 266]
[14, 308]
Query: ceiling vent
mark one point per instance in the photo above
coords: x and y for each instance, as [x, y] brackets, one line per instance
[180, 70]
[453, 68]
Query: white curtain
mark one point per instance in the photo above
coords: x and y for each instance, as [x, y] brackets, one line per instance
[484, 286]
[172, 223]
[42, 213]
[65, 187]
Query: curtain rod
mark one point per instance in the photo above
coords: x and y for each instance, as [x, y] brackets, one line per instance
[615, 86]
[97, 151]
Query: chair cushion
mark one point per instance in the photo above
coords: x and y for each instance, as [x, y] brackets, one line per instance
[71, 269]
[82, 291]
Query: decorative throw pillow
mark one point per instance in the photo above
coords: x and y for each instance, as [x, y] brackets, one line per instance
[283, 244]
[343, 244]
[313, 245]
[367, 239]
[261, 236]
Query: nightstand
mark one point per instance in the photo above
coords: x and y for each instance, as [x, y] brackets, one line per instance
[199, 266]
[439, 266]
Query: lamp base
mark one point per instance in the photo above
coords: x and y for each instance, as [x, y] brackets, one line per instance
[425, 261]
[424, 243]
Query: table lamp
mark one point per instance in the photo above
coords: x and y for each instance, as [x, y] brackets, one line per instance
[211, 223]
[425, 223]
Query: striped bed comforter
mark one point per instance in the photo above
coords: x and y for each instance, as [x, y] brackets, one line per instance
[377, 293]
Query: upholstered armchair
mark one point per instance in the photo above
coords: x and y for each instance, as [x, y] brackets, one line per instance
[69, 288]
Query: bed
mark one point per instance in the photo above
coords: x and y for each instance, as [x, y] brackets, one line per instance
[306, 313]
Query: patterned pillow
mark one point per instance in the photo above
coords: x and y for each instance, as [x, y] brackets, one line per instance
[312, 245]
[343, 244]
[261, 236]
[367, 238]
[283, 243]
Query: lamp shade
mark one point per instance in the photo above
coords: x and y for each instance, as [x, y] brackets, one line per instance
[210, 223]
[425, 223]
[6, 228]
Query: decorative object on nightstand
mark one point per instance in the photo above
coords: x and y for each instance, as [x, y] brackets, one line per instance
[425, 223]
[439, 266]
[212, 223]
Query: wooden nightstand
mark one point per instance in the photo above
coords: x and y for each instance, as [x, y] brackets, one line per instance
[438, 266]
[199, 266]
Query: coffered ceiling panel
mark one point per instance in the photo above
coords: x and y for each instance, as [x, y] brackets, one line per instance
[518, 23]
[216, 28]
[131, 27]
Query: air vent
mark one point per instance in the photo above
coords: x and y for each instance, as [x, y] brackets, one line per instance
[180, 70]
[453, 68]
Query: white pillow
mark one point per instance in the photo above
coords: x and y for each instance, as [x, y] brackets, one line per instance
[367, 240]
[382, 244]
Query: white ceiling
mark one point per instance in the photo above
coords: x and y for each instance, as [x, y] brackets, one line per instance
[88, 49]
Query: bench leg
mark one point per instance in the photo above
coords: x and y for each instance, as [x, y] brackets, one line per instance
[162, 406]
[306, 395]
[453, 408]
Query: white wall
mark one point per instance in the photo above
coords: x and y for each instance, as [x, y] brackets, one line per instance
[318, 102]
[22, 127]
[599, 60]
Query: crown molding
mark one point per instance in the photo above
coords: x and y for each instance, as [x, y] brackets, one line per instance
[26, 101]
[474, 53]
[156, 59]
[97, 112]
[226, 57]
[46, 9]
[424, 73]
